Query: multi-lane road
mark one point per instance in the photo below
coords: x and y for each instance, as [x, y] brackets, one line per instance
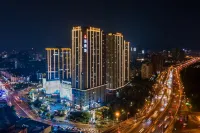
[162, 116]
[142, 123]
[166, 121]
[148, 124]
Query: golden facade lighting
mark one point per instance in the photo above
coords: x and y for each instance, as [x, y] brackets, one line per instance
[58, 63]
[86, 57]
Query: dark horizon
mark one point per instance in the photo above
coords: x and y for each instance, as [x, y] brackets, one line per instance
[152, 26]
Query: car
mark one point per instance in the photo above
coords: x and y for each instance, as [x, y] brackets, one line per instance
[166, 117]
[185, 124]
[160, 124]
[166, 125]
[153, 129]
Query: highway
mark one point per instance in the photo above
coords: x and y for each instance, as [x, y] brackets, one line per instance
[166, 114]
[153, 118]
[166, 122]
[138, 123]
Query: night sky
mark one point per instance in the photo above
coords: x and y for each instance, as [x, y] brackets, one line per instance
[151, 25]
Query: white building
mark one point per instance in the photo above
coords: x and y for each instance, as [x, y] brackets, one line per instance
[62, 88]
[66, 90]
[51, 87]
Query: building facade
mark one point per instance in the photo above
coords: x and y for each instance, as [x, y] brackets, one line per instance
[87, 67]
[66, 64]
[58, 64]
[117, 61]
[126, 61]
[146, 70]
[98, 62]
[178, 54]
[115, 58]
[157, 63]
[58, 75]
[53, 63]
[133, 55]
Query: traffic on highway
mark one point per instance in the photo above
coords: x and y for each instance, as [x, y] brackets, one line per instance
[161, 116]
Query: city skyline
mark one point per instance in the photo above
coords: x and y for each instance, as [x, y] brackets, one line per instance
[46, 24]
[99, 66]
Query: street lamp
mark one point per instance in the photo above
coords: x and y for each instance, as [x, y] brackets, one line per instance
[117, 114]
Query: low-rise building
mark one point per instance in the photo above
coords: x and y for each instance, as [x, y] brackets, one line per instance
[15, 78]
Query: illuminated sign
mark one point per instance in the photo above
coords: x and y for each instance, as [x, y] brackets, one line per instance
[134, 49]
[67, 82]
[85, 43]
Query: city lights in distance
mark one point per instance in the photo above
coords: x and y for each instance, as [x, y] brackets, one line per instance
[142, 51]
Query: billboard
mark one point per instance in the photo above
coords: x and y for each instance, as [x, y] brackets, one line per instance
[85, 43]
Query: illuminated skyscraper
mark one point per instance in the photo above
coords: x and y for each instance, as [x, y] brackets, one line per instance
[133, 56]
[126, 61]
[66, 64]
[87, 67]
[58, 63]
[117, 56]
[58, 75]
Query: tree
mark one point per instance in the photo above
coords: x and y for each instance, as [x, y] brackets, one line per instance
[13, 108]
[37, 103]
[61, 113]
[48, 115]
[39, 112]
[85, 117]
[52, 116]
